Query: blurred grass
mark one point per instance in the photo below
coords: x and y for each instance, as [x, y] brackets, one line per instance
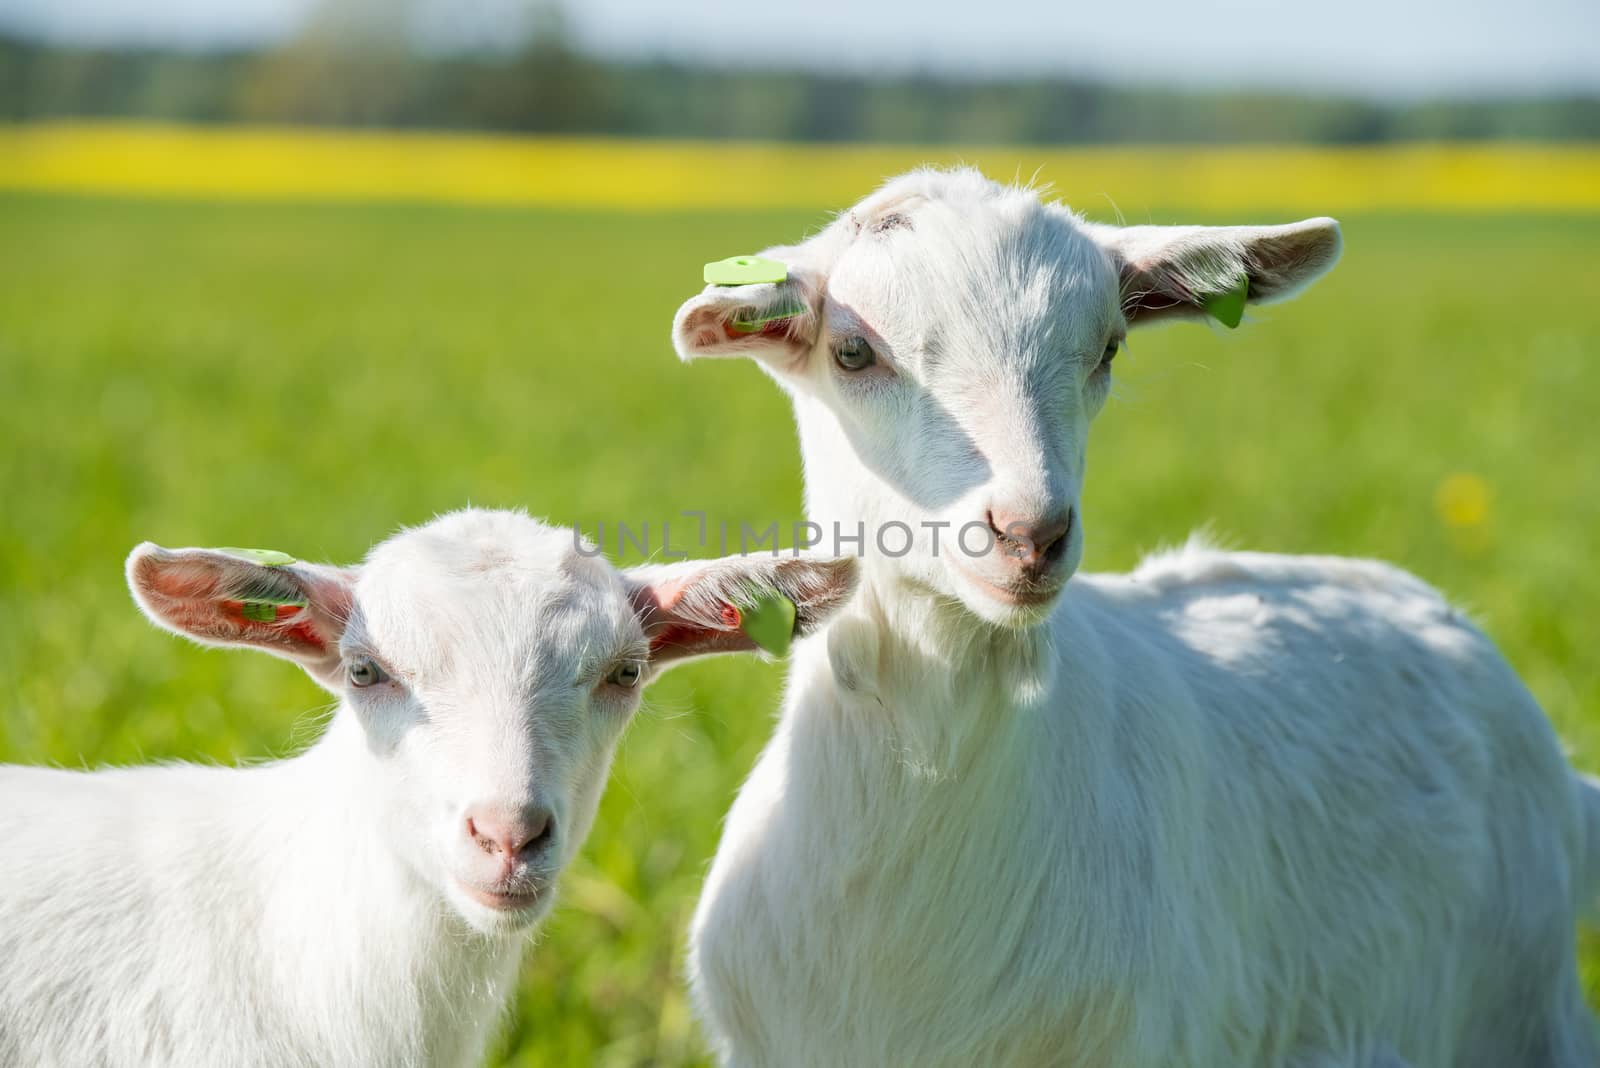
[307, 377]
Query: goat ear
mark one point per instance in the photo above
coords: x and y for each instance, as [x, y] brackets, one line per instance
[230, 597]
[736, 604]
[776, 323]
[1189, 272]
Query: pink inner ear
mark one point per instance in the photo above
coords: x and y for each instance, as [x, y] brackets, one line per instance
[705, 329]
[679, 639]
[180, 583]
[671, 634]
[677, 635]
[300, 633]
[770, 328]
[686, 634]
[1152, 290]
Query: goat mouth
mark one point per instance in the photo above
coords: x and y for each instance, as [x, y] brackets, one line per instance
[502, 900]
[1024, 595]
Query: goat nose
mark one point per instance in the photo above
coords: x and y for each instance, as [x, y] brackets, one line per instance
[1033, 542]
[510, 831]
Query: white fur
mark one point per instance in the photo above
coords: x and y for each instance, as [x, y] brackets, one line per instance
[312, 912]
[1232, 810]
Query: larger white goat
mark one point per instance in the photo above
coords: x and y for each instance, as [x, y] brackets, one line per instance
[364, 903]
[1229, 811]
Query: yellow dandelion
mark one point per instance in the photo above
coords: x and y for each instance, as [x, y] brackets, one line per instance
[1462, 500]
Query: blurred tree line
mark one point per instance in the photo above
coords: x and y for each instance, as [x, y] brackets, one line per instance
[359, 63]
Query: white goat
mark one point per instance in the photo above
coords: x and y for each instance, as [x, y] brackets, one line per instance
[1230, 811]
[364, 903]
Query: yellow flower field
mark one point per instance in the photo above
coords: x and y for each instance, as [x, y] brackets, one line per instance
[299, 164]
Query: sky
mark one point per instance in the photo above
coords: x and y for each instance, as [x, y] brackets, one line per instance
[1401, 48]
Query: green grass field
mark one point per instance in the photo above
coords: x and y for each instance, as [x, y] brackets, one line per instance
[308, 378]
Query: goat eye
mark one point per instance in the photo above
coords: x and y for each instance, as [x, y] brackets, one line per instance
[1112, 348]
[625, 674]
[364, 671]
[854, 354]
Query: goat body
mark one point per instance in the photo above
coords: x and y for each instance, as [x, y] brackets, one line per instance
[1232, 809]
[188, 915]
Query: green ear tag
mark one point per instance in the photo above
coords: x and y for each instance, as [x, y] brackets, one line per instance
[745, 271]
[749, 320]
[770, 623]
[264, 557]
[263, 608]
[1228, 308]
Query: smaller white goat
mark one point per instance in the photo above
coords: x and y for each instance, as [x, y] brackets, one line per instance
[366, 902]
